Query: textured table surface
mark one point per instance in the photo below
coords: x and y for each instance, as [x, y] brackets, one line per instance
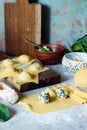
[74, 118]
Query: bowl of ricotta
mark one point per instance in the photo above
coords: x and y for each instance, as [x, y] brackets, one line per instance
[75, 60]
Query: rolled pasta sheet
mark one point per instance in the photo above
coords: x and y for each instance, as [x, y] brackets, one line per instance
[77, 98]
[80, 93]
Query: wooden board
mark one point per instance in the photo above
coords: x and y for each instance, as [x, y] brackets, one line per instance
[3, 55]
[46, 78]
[22, 20]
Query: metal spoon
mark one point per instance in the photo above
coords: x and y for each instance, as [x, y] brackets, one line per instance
[35, 45]
[30, 42]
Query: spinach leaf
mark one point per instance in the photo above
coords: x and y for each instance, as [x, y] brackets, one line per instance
[80, 45]
[44, 49]
[4, 112]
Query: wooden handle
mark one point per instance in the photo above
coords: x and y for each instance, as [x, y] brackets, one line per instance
[22, 1]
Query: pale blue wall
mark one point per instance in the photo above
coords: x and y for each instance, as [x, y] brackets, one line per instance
[64, 21]
[68, 19]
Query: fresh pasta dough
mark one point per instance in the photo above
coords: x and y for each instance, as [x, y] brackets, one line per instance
[35, 67]
[24, 59]
[24, 77]
[80, 77]
[7, 62]
[32, 103]
[8, 71]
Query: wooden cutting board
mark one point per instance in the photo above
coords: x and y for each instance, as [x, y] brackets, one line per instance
[22, 20]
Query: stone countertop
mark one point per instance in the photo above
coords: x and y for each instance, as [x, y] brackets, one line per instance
[73, 118]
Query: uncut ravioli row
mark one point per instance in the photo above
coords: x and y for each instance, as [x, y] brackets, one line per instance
[48, 101]
[29, 73]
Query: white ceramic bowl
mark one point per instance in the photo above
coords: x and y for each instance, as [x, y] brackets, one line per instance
[75, 60]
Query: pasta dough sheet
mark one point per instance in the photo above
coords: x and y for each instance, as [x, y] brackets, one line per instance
[80, 77]
[8, 62]
[8, 72]
[24, 59]
[35, 70]
[33, 104]
[34, 79]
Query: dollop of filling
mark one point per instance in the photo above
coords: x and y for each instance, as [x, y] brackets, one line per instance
[61, 92]
[24, 58]
[24, 76]
[44, 97]
[36, 66]
[7, 62]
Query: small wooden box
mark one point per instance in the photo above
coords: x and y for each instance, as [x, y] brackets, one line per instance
[46, 78]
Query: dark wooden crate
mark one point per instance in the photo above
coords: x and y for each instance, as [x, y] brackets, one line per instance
[46, 78]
